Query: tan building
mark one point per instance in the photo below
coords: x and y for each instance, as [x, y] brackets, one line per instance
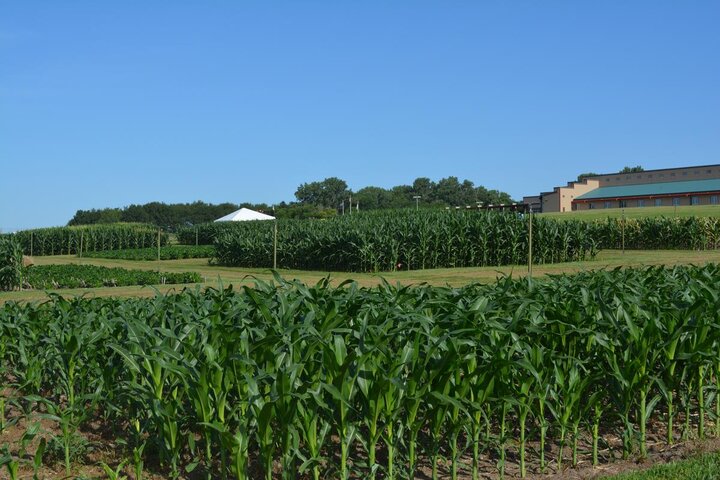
[664, 187]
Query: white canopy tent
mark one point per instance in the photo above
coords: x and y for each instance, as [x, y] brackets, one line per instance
[244, 214]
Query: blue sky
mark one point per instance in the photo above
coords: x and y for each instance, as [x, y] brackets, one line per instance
[104, 104]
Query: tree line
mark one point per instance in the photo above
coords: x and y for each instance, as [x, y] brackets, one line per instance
[319, 199]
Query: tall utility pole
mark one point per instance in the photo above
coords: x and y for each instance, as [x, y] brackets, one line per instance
[350, 204]
[417, 201]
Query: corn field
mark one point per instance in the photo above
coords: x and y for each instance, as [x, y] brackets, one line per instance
[401, 241]
[289, 381]
[652, 233]
[386, 241]
[68, 240]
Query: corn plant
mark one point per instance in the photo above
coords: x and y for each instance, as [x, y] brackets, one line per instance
[345, 382]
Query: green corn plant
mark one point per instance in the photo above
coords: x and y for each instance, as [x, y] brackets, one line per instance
[31, 432]
[64, 418]
[115, 474]
[631, 369]
[12, 271]
[264, 413]
[11, 464]
[314, 428]
[341, 387]
[293, 376]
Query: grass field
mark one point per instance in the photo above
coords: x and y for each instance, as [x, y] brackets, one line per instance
[216, 276]
[706, 467]
[634, 212]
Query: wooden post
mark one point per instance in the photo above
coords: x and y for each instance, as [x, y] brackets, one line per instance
[81, 242]
[530, 244]
[622, 228]
[275, 247]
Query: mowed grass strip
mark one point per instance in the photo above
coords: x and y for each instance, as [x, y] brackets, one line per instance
[217, 276]
[705, 467]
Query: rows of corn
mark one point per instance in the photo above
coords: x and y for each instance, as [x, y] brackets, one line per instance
[386, 241]
[399, 241]
[696, 233]
[168, 252]
[69, 240]
[294, 381]
[43, 277]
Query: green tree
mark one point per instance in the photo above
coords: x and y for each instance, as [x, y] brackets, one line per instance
[583, 176]
[329, 193]
[402, 196]
[634, 169]
[424, 187]
[453, 193]
[373, 198]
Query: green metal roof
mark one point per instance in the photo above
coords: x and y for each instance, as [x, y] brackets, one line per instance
[666, 188]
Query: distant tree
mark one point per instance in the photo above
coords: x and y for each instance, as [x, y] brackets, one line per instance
[634, 169]
[314, 200]
[90, 217]
[401, 196]
[301, 211]
[453, 193]
[373, 198]
[583, 176]
[424, 187]
[328, 193]
[494, 197]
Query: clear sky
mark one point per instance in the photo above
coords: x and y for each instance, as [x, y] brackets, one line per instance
[104, 104]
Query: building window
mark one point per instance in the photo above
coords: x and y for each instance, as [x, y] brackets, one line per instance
[713, 200]
[650, 175]
[608, 204]
[694, 200]
[708, 171]
[641, 203]
[658, 202]
[639, 176]
[676, 201]
[623, 203]
[672, 174]
[591, 206]
[617, 179]
[697, 172]
[607, 179]
[684, 174]
[662, 175]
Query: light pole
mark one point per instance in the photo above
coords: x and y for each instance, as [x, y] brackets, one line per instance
[417, 201]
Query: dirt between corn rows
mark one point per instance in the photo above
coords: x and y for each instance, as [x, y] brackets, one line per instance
[105, 449]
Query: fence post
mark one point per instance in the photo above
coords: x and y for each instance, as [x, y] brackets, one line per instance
[530, 245]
